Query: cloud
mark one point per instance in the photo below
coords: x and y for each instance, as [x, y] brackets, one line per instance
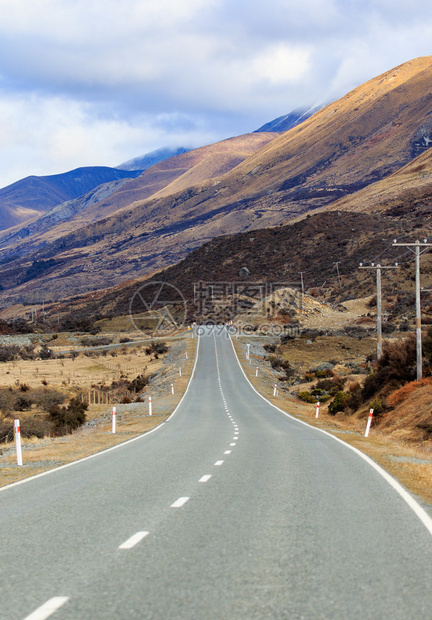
[88, 81]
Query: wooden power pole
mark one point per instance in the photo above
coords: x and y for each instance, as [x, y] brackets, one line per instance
[379, 302]
[415, 247]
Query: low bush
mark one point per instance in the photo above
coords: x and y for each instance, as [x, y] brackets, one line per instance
[378, 406]
[339, 403]
[68, 418]
[396, 366]
[307, 397]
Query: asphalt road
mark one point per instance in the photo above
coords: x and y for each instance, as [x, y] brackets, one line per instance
[230, 510]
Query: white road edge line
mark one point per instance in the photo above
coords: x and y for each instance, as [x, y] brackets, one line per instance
[407, 497]
[181, 501]
[48, 608]
[133, 540]
[120, 445]
[205, 478]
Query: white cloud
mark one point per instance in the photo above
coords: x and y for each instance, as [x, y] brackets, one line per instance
[95, 82]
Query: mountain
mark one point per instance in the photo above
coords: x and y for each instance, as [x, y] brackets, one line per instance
[253, 264]
[152, 158]
[30, 197]
[288, 121]
[366, 138]
[167, 177]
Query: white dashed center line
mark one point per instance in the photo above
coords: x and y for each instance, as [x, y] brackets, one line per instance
[232, 444]
[48, 608]
[133, 540]
[205, 478]
[218, 462]
[180, 502]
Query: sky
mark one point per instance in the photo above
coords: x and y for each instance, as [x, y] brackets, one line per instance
[99, 82]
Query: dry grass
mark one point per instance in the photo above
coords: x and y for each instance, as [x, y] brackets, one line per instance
[42, 454]
[408, 461]
[83, 371]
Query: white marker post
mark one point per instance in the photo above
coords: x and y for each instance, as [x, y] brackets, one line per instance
[114, 420]
[180, 372]
[317, 409]
[186, 355]
[172, 388]
[150, 404]
[275, 390]
[17, 430]
[247, 354]
[369, 422]
[256, 372]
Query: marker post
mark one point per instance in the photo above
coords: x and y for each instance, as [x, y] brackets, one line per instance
[317, 409]
[114, 416]
[150, 405]
[369, 422]
[17, 432]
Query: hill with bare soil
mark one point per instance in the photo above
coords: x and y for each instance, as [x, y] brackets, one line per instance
[324, 249]
[364, 138]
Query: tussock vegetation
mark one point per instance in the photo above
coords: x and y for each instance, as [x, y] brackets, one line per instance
[49, 419]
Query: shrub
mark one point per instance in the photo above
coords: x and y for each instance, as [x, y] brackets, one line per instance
[339, 402]
[323, 374]
[8, 353]
[6, 431]
[396, 366]
[23, 403]
[139, 383]
[45, 353]
[7, 401]
[49, 399]
[35, 426]
[307, 397]
[377, 405]
[68, 418]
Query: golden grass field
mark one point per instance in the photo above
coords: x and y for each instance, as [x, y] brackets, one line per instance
[42, 454]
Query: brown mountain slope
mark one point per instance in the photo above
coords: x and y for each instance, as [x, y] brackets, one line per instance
[167, 177]
[278, 256]
[366, 136]
[404, 189]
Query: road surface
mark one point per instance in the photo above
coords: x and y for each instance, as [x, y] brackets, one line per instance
[229, 510]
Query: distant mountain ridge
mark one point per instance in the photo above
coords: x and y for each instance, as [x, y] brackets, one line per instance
[288, 121]
[373, 141]
[32, 196]
[150, 159]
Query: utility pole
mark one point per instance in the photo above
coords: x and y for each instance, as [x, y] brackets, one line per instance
[337, 269]
[417, 245]
[379, 303]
